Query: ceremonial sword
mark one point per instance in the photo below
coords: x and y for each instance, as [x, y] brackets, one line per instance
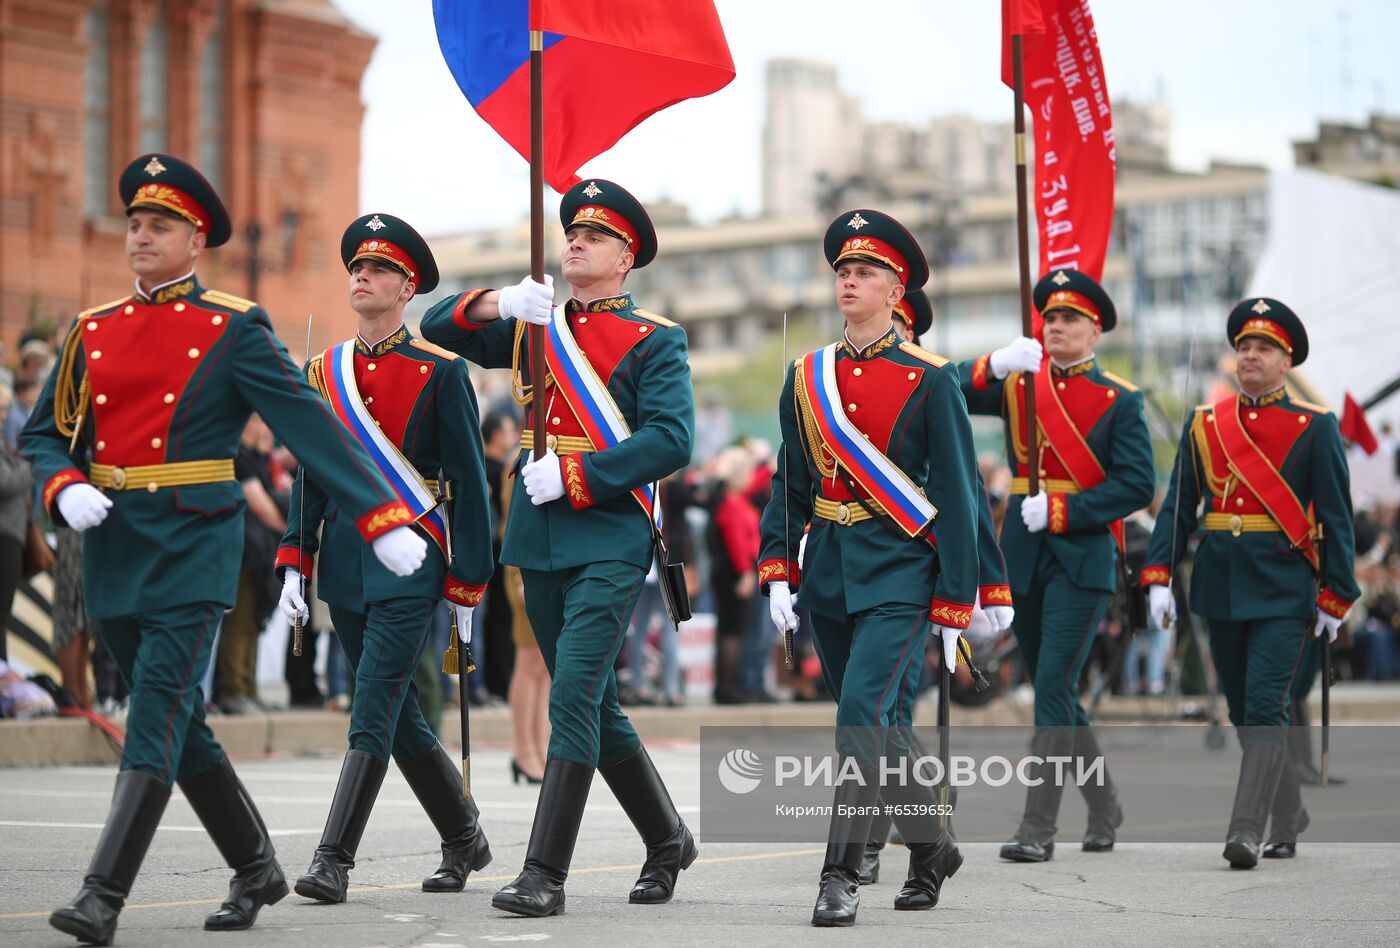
[297, 621]
[787, 537]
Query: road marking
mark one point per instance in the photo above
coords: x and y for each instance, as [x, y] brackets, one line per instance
[588, 870]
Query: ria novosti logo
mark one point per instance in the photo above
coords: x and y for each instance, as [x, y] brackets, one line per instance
[740, 771]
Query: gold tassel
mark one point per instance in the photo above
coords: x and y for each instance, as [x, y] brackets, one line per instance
[449, 659]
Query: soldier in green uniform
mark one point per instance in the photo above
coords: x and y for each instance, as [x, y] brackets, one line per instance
[876, 442]
[913, 317]
[620, 417]
[1063, 544]
[133, 439]
[412, 406]
[1276, 562]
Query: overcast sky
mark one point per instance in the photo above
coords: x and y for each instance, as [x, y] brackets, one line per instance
[1243, 79]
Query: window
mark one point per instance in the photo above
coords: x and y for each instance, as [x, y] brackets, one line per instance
[97, 104]
[155, 80]
[211, 103]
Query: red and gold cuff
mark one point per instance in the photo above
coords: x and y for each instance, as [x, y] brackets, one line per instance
[1156, 576]
[780, 571]
[382, 519]
[994, 595]
[981, 372]
[64, 478]
[1059, 513]
[954, 615]
[296, 559]
[459, 312]
[1332, 604]
[464, 594]
[575, 484]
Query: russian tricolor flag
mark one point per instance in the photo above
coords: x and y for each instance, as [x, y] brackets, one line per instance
[608, 64]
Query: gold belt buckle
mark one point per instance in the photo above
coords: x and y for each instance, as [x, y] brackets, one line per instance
[551, 443]
[1236, 524]
[843, 514]
[118, 478]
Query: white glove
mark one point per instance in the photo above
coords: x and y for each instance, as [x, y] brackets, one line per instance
[1035, 512]
[1000, 617]
[528, 301]
[949, 638]
[780, 606]
[292, 604]
[1162, 604]
[544, 479]
[464, 621]
[401, 550]
[1023, 354]
[83, 506]
[1327, 625]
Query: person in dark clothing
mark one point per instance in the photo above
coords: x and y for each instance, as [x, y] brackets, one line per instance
[499, 438]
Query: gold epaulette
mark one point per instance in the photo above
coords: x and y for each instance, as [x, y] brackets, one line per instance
[436, 350]
[923, 355]
[1117, 380]
[1321, 410]
[652, 317]
[235, 303]
[97, 309]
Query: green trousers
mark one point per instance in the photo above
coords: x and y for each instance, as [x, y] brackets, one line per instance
[1055, 625]
[163, 656]
[383, 645]
[866, 660]
[1262, 664]
[580, 618]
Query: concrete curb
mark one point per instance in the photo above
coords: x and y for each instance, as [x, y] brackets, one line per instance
[54, 742]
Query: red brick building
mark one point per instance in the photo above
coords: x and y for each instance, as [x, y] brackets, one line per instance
[262, 95]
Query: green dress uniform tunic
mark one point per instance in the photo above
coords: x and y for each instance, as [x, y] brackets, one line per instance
[584, 557]
[1063, 577]
[1256, 592]
[421, 398]
[168, 382]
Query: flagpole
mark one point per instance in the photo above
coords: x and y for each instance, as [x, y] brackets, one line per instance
[537, 365]
[1023, 247]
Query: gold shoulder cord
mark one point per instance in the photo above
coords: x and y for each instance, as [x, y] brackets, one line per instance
[809, 424]
[522, 394]
[70, 401]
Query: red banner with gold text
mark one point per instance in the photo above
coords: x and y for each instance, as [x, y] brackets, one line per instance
[1072, 130]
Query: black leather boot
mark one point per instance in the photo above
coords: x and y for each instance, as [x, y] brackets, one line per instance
[1034, 840]
[436, 780]
[328, 877]
[670, 846]
[933, 855]
[137, 804]
[1300, 747]
[539, 889]
[839, 894]
[1105, 812]
[879, 835]
[233, 822]
[1288, 819]
[1260, 767]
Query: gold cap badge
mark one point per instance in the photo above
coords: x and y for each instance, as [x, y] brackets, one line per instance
[154, 167]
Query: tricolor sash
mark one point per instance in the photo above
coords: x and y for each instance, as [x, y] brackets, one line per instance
[1258, 474]
[586, 394]
[1068, 443]
[880, 477]
[338, 370]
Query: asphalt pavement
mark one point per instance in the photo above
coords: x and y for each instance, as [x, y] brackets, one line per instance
[754, 894]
